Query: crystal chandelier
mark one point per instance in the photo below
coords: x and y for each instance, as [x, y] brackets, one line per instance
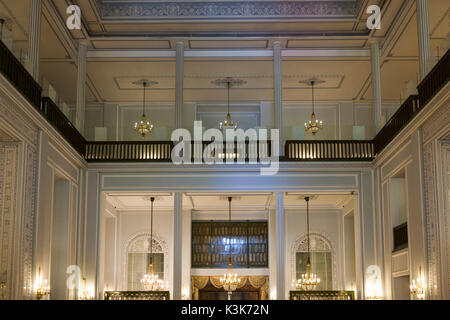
[230, 281]
[144, 127]
[417, 287]
[150, 281]
[228, 82]
[308, 281]
[313, 125]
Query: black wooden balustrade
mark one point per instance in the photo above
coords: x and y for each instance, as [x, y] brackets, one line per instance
[327, 150]
[162, 151]
[321, 295]
[57, 118]
[129, 151]
[435, 80]
[137, 295]
[12, 69]
[401, 118]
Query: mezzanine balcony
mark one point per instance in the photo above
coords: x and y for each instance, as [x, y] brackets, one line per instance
[160, 151]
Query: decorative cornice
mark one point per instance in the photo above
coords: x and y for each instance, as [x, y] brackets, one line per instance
[199, 10]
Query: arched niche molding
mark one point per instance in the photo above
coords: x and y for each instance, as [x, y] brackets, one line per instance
[319, 242]
[139, 243]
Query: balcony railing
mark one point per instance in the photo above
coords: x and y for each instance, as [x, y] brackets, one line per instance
[129, 151]
[435, 80]
[19, 76]
[57, 118]
[330, 150]
[137, 295]
[401, 118]
[321, 295]
[162, 151]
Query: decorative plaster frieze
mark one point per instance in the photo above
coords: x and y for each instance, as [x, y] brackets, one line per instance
[198, 10]
[21, 124]
[24, 130]
[437, 122]
[434, 131]
[8, 195]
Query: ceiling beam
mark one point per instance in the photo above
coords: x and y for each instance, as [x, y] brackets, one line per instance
[104, 54]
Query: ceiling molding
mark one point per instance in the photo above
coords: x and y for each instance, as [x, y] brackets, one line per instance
[262, 53]
[242, 10]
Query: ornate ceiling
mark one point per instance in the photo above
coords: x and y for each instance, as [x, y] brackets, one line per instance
[129, 40]
[252, 10]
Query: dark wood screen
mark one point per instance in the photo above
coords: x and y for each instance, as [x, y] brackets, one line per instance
[401, 237]
[210, 244]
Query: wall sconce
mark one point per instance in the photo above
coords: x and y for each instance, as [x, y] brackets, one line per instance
[417, 287]
[185, 293]
[373, 289]
[86, 294]
[42, 287]
[273, 294]
[2, 290]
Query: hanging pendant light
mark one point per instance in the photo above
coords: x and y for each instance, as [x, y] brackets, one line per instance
[144, 127]
[228, 82]
[314, 125]
[151, 281]
[308, 281]
[230, 281]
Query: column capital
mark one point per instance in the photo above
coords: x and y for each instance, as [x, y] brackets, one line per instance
[83, 42]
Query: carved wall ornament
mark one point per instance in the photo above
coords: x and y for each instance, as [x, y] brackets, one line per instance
[433, 139]
[196, 10]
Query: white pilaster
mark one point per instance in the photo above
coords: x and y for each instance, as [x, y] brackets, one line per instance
[280, 240]
[179, 84]
[423, 33]
[272, 253]
[277, 92]
[35, 36]
[376, 84]
[177, 245]
[81, 87]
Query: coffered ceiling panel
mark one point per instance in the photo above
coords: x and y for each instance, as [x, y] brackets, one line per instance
[326, 43]
[136, 44]
[227, 44]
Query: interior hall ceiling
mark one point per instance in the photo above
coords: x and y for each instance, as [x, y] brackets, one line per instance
[125, 26]
[208, 202]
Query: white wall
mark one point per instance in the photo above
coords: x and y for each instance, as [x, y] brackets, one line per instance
[338, 118]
